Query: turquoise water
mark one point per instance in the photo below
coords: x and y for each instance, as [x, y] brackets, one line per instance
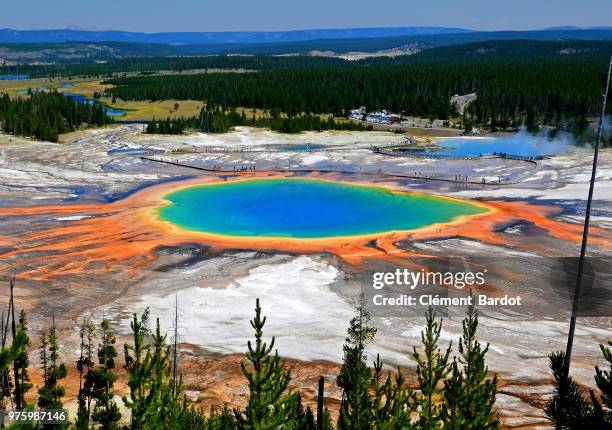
[474, 147]
[303, 208]
[301, 147]
[522, 144]
[11, 77]
[127, 151]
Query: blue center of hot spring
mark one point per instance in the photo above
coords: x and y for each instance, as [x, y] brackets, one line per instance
[303, 208]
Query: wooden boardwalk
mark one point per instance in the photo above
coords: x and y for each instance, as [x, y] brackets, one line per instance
[306, 171]
[415, 154]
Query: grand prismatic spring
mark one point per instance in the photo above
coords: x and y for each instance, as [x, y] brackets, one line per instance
[301, 208]
[89, 225]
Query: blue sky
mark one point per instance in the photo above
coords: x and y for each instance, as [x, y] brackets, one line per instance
[262, 15]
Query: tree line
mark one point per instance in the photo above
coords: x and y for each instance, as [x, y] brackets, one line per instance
[221, 121]
[450, 393]
[555, 90]
[45, 116]
[176, 63]
[151, 58]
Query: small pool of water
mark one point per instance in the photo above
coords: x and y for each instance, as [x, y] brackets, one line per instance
[305, 208]
[13, 77]
[521, 144]
[301, 147]
[114, 112]
[127, 151]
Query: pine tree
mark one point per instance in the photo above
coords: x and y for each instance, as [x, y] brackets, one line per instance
[138, 369]
[13, 355]
[393, 403]
[603, 380]
[469, 396]
[51, 393]
[6, 359]
[303, 417]
[431, 370]
[223, 420]
[451, 413]
[44, 361]
[311, 423]
[106, 412]
[467, 122]
[161, 403]
[533, 120]
[355, 378]
[568, 408]
[328, 423]
[21, 342]
[269, 406]
[156, 399]
[152, 127]
[17, 353]
[85, 365]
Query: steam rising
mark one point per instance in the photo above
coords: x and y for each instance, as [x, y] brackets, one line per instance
[543, 144]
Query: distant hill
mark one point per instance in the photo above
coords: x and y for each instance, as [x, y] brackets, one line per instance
[82, 51]
[573, 27]
[384, 43]
[191, 38]
[513, 49]
[299, 41]
[525, 45]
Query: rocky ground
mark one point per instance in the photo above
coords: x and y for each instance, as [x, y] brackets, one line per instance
[308, 298]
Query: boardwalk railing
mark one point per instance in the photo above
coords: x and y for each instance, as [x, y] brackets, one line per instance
[392, 145]
[414, 154]
[149, 152]
[215, 149]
